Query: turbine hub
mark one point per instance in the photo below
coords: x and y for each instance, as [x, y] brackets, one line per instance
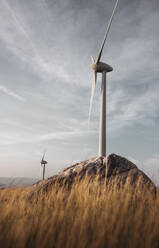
[101, 67]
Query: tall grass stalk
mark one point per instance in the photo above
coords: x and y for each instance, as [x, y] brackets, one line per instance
[88, 215]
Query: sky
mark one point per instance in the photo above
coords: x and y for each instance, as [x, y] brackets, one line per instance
[46, 78]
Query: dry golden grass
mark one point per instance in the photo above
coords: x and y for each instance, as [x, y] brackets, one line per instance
[87, 216]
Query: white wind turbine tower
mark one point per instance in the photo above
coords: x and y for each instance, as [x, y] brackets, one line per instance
[100, 67]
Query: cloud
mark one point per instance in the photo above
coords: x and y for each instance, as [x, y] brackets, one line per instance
[65, 135]
[6, 139]
[11, 93]
[51, 41]
[153, 161]
[20, 40]
[129, 110]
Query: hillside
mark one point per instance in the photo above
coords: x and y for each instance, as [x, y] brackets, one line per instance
[109, 170]
[96, 203]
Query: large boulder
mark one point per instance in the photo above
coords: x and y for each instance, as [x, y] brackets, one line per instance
[112, 169]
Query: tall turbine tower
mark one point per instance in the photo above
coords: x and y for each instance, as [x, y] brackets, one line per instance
[100, 67]
[43, 164]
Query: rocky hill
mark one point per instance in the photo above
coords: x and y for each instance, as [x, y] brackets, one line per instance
[109, 170]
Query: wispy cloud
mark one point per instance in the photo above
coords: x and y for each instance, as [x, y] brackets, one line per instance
[153, 161]
[34, 139]
[52, 41]
[128, 110]
[9, 92]
[65, 135]
[16, 35]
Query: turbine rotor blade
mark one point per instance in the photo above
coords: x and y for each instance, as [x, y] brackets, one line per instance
[93, 60]
[92, 94]
[43, 156]
[107, 31]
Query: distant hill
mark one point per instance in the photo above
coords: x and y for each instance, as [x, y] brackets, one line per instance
[15, 181]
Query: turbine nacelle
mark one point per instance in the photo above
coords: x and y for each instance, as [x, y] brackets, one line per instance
[44, 162]
[101, 67]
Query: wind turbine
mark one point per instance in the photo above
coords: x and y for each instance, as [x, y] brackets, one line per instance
[100, 67]
[43, 163]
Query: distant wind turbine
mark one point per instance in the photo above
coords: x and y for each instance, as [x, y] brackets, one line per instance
[100, 67]
[43, 164]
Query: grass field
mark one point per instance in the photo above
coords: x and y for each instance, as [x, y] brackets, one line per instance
[87, 216]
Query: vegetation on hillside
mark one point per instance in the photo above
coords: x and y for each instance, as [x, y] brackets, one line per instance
[88, 215]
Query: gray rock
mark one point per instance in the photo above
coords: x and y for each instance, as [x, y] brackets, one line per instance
[109, 170]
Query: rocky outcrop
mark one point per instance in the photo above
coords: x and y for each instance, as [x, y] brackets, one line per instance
[109, 170]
